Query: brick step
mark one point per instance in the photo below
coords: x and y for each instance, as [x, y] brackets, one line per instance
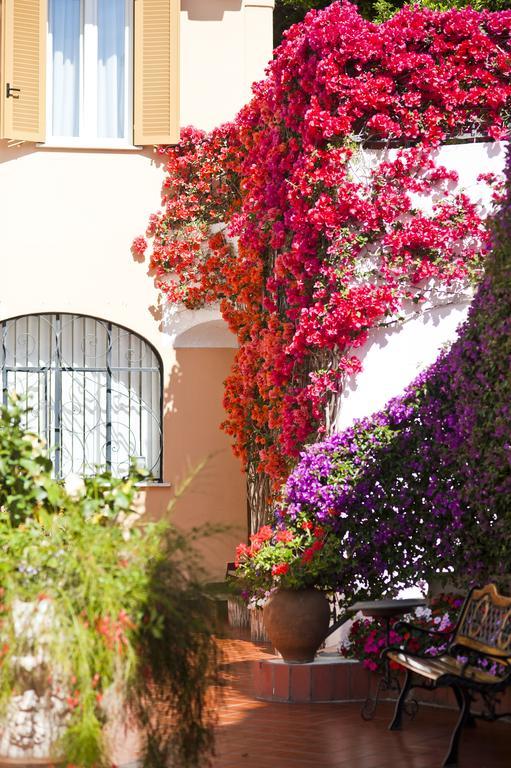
[331, 678]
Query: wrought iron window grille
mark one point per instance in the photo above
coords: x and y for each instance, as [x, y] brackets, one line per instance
[94, 389]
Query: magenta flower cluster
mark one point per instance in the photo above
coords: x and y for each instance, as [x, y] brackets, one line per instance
[425, 484]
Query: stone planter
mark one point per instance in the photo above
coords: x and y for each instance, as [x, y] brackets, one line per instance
[297, 623]
[38, 716]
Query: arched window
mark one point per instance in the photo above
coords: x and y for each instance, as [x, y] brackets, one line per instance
[95, 390]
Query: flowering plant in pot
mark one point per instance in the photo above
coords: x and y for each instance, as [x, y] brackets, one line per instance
[293, 567]
[294, 557]
[97, 609]
[368, 637]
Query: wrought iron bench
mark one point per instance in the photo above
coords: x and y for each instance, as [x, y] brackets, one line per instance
[476, 663]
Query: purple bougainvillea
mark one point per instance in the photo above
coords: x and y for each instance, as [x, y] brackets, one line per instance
[425, 484]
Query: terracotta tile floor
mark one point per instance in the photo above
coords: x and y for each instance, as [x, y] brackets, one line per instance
[254, 734]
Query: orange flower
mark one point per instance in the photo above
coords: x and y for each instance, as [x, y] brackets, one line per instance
[285, 536]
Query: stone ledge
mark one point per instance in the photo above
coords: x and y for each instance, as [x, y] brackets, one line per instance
[326, 679]
[260, 4]
[330, 678]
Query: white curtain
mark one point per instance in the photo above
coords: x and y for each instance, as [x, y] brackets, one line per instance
[111, 68]
[65, 25]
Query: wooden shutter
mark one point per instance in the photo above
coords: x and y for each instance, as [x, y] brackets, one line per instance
[24, 68]
[156, 102]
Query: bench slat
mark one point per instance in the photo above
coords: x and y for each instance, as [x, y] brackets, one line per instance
[435, 667]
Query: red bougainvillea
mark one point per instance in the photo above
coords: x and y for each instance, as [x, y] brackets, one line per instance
[306, 232]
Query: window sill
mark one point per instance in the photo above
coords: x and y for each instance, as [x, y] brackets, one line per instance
[89, 145]
[156, 484]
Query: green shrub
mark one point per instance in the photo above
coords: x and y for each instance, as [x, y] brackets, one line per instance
[125, 602]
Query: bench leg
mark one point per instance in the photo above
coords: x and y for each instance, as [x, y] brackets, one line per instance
[470, 721]
[451, 760]
[398, 713]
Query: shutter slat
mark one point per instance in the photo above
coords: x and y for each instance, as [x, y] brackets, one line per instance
[156, 72]
[24, 67]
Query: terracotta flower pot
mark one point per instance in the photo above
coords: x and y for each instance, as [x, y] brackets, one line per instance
[297, 622]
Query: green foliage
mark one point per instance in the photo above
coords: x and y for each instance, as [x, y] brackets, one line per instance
[477, 5]
[25, 469]
[183, 665]
[127, 616]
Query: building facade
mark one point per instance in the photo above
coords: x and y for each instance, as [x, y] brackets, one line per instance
[88, 88]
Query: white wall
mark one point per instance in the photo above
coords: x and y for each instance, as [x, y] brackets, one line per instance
[392, 357]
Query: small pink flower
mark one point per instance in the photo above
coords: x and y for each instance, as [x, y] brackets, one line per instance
[139, 246]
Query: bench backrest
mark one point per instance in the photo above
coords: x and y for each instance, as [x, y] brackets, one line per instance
[485, 622]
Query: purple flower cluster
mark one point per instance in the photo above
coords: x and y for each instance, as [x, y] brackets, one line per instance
[426, 483]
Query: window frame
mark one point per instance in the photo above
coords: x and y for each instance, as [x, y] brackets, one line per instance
[56, 445]
[88, 91]
[156, 90]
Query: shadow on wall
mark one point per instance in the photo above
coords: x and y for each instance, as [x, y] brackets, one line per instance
[215, 333]
[192, 435]
[209, 10]
[9, 152]
[423, 336]
[17, 150]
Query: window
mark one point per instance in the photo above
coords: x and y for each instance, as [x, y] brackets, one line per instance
[90, 72]
[95, 390]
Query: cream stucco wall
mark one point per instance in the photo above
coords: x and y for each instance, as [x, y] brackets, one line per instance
[68, 218]
[225, 46]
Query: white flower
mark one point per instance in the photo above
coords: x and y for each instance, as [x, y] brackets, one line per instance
[37, 443]
[75, 486]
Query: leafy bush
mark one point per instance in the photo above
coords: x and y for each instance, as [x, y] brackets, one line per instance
[300, 556]
[127, 616]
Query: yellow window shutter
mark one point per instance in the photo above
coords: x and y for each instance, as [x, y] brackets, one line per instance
[24, 69]
[156, 102]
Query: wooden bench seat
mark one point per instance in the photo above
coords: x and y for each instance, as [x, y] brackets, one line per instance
[435, 667]
[476, 662]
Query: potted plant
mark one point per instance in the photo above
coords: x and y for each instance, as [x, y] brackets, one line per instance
[367, 637]
[320, 543]
[99, 618]
[292, 567]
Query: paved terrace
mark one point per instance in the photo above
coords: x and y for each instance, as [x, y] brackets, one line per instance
[255, 734]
